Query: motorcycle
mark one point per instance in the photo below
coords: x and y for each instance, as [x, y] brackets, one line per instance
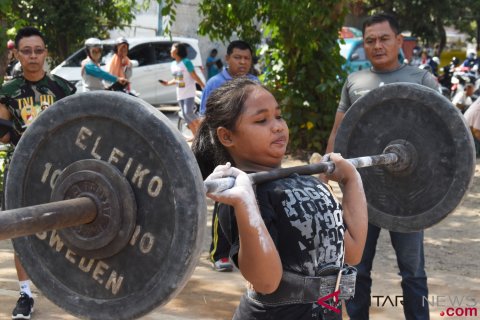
[460, 78]
[118, 87]
[445, 77]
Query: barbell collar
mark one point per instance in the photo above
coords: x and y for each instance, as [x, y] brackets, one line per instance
[25, 221]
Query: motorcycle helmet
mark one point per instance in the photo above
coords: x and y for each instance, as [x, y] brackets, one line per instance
[10, 44]
[120, 41]
[455, 61]
[471, 54]
[91, 43]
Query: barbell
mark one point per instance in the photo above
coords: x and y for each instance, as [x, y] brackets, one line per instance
[106, 203]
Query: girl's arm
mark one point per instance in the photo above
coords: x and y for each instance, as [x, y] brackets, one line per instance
[191, 70]
[354, 203]
[168, 82]
[258, 258]
[197, 79]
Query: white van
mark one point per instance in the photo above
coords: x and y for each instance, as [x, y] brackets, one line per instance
[151, 63]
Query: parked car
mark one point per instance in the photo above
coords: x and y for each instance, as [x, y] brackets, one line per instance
[151, 60]
[352, 50]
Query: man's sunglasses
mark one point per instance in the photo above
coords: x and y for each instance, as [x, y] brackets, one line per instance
[29, 51]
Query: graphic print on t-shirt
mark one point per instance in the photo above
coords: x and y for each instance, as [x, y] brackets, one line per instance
[25, 99]
[317, 215]
[29, 109]
[179, 79]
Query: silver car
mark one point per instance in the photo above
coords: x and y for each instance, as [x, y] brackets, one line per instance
[151, 60]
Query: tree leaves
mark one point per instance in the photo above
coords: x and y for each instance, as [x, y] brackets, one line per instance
[296, 42]
[67, 23]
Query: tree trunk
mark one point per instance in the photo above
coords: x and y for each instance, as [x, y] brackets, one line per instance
[478, 34]
[443, 36]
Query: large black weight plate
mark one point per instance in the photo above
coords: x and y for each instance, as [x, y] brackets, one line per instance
[410, 201]
[164, 248]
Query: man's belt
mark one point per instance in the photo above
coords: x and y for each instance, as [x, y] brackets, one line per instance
[295, 288]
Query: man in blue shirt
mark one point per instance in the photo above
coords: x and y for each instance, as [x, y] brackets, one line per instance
[239, 63]
[213, 63]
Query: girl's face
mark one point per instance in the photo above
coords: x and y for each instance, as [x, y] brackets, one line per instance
[260, 138]
[122, 49]
[173, 52]
[96, 54]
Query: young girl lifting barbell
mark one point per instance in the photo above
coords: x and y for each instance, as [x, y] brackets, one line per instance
[288, 235]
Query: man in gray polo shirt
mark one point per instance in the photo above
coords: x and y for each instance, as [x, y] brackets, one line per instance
[382, 42]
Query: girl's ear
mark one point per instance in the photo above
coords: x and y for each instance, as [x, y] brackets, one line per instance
[225, 136]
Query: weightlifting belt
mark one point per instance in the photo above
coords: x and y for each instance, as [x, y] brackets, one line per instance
[295, 288]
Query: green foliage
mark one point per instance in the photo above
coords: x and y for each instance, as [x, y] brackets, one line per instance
[300, 57]
[168, 9]
[6, 152]
[67, 23]
[223, 19]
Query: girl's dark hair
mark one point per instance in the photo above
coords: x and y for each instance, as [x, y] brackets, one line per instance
[181, 49]
[224, 107]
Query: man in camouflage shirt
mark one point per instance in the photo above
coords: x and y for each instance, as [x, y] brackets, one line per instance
[21, 100]
[25, 96]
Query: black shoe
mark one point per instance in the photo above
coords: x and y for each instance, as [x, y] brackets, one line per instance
[24, 307]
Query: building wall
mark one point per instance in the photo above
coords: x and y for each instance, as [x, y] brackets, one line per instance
[145, 23]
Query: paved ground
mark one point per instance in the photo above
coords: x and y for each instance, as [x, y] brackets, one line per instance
[452, 257]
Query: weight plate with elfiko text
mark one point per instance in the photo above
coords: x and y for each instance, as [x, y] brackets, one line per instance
[166, 242]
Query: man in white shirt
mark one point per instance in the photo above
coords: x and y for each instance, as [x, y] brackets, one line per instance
[472, 116]
[462, 99]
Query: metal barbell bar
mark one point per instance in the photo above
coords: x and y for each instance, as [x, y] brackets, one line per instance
[396, 157]
[45, 217]
[75, 212]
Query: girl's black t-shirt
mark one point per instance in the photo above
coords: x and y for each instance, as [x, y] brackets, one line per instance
[304, 219]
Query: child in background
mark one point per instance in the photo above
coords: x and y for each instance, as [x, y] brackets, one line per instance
[185, 77]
